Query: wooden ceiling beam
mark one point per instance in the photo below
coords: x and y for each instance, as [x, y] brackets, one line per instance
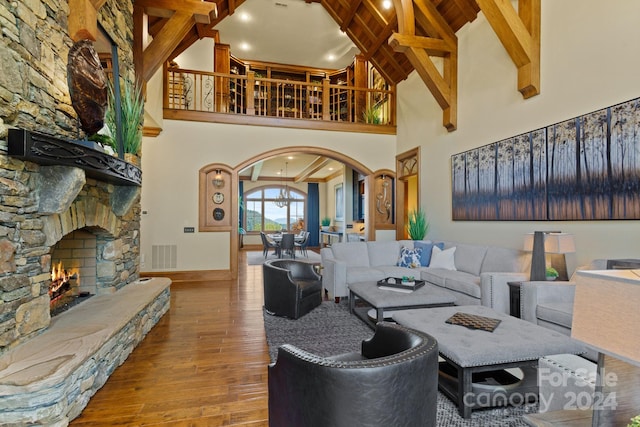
[166, 42]
[382, 37]
[443, 87]
[83, 20]
[346, 21]
[434, 47]
[466, 9]
[312, 168]
[519, 32]
[200, 10]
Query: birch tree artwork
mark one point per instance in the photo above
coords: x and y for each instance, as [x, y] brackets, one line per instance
[585, 168]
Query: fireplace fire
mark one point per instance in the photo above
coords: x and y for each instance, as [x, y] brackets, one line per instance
[64, 290]
[60, 282]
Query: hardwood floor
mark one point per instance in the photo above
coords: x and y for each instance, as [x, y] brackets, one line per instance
[204, 363]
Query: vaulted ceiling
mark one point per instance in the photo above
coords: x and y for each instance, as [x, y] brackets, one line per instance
[396, 40]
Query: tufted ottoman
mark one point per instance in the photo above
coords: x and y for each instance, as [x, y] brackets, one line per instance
[482, 356]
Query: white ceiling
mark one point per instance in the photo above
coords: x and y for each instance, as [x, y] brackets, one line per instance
[287, 32]
[291, 166]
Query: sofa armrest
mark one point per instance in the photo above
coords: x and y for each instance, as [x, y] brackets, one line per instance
[534, 293]
[495, 290]
[334, 277]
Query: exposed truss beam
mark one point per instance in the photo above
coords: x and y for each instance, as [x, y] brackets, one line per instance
[519, 33]
[443, 87]
[83, 19]
[312, 168]
[255, 171]
[352, 12]
[183, 16]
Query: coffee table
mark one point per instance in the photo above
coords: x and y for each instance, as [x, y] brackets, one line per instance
[473, 372]
[385, 300]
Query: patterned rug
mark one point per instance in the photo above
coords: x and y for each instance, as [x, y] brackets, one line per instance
[330, 329]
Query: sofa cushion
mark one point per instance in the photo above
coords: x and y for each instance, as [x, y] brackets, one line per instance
[409, 257]
[382, 253]
[463, 282]
[364, 274]
[433, 275]
[427, 247]
[353, 253]
[469, 257]
[444, 259]
[560, 313]
[504, 260]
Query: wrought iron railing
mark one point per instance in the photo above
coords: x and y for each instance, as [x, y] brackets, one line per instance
[201, 91]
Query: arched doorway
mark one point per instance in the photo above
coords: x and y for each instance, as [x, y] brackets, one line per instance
[360, 170]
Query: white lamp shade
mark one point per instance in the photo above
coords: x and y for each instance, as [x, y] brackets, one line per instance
[606, 312]
[554, 243]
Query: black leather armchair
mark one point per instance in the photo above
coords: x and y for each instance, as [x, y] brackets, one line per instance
[394, 382]
[291, 288]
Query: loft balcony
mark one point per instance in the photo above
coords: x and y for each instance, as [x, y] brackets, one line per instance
[249, 99]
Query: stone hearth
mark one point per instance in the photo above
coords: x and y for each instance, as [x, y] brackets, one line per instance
[50, 379]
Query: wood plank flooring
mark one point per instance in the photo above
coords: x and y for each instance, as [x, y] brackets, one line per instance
[203, 364]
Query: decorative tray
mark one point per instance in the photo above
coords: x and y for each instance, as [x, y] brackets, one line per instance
[398, 283]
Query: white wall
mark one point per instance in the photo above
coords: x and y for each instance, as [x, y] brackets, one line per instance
[590, 59]
[170, 165]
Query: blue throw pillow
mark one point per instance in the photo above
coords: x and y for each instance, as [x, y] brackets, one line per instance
[409, 257]
[425, 258]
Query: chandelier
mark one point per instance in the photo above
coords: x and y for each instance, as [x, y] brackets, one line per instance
[283, 197]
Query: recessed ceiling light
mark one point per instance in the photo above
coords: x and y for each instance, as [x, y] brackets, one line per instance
[387, 4]
[245, 46]
[331, 57]
[290, 157]
[244, 17]
[330, 169]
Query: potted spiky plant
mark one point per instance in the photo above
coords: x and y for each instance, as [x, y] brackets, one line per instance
[418, 226]
[325, 222]
[131, 117]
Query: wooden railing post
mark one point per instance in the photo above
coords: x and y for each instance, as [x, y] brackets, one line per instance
[250, 93]
[326, 103]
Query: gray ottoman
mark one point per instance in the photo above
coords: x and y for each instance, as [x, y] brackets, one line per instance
[385, 300]
[473, 353]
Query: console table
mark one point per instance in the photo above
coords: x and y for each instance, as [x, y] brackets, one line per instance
[330, 235]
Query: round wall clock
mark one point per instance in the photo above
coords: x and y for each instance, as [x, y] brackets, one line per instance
[218, 214]
[218, 198]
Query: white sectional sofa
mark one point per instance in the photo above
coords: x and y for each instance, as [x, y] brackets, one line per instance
[480, 276]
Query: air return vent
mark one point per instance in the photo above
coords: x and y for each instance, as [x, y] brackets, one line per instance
[164, 256]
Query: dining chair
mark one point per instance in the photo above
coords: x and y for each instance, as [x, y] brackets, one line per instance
[302, 246]
[268, 244]
[287, 245]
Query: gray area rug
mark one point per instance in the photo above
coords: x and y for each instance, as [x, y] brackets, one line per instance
[256, 258]
[330, 329]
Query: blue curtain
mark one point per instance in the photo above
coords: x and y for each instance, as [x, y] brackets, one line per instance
[313, 214]
[241, 198]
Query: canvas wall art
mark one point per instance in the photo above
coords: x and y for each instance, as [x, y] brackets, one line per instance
[585, 168]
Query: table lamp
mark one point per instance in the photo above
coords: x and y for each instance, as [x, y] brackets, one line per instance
[555, 243]
[606, 316]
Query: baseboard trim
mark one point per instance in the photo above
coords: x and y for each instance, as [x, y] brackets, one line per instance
[191, 276]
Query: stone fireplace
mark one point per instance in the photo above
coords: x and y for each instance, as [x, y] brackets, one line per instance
[59, 198]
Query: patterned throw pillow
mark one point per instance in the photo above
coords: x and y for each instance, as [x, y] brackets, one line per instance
[409, 257]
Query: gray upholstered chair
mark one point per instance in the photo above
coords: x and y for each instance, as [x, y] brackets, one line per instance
[287, 245]
[392, 382]
[291, 288]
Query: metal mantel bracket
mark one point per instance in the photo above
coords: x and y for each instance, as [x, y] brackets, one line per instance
[47, 150]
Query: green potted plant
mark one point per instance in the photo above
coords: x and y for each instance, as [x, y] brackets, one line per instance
[325, 222]
[635, 421]
[131, 117]
[418, 226]
[551, 273]
[371, 115]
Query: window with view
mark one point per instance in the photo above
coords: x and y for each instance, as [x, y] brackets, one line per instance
[262, 214]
